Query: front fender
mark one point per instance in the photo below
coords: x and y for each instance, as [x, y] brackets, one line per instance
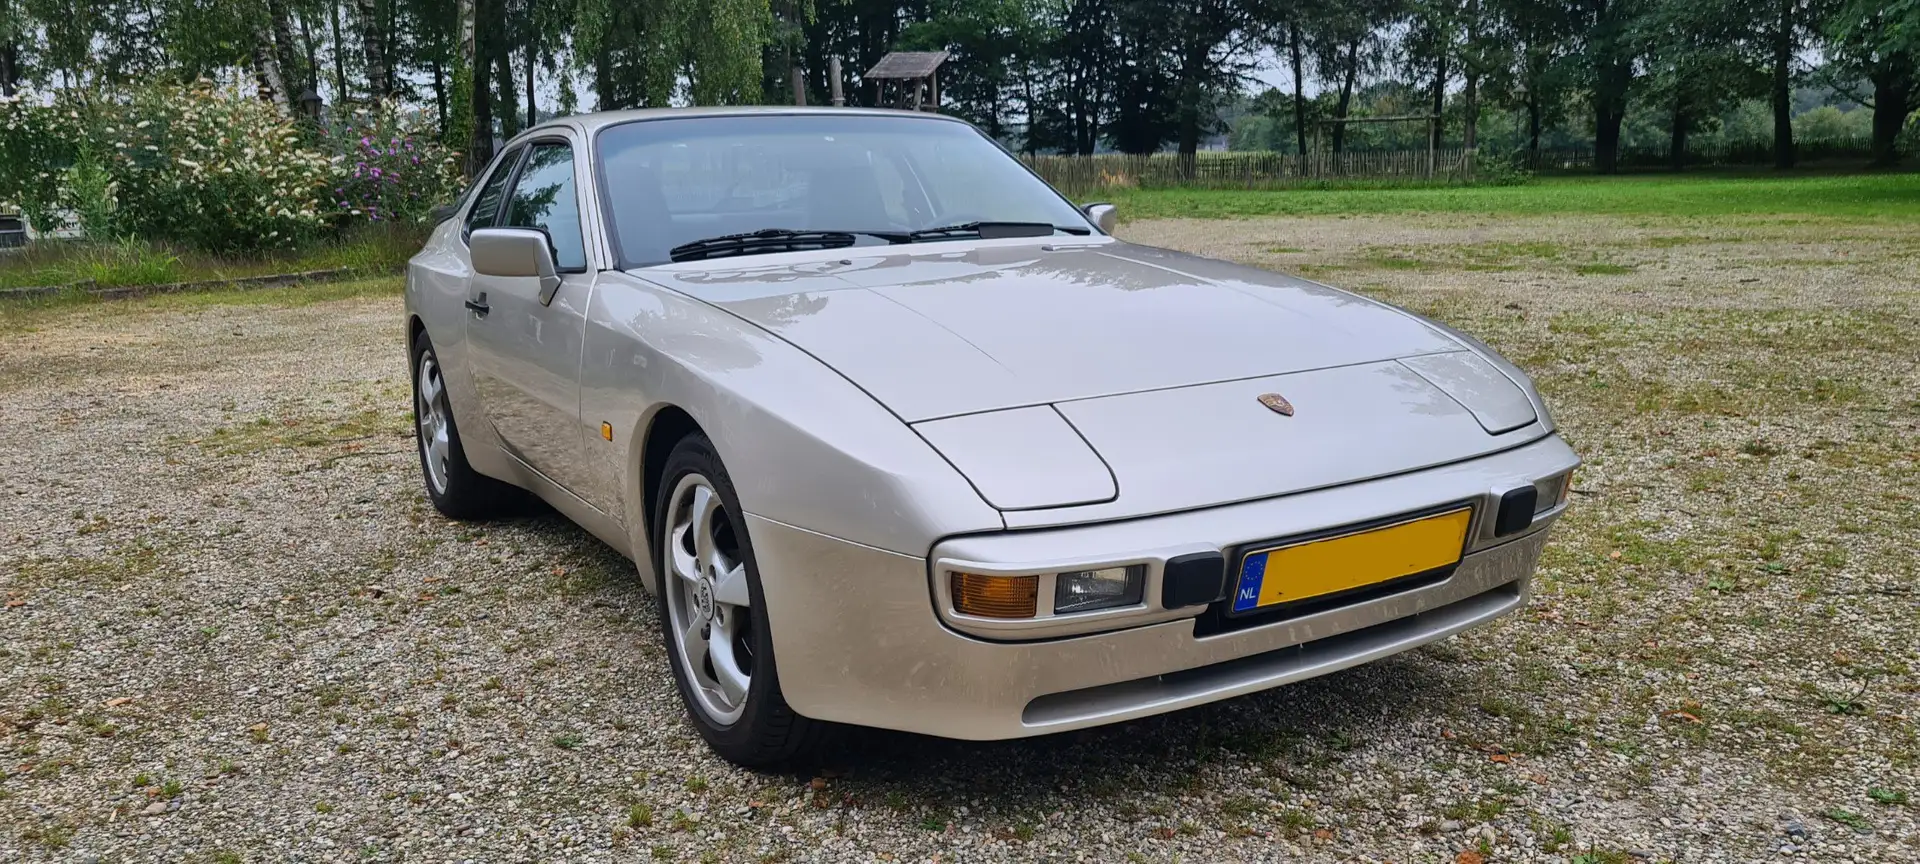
[802, 444]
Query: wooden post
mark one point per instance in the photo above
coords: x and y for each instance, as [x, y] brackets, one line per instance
[1433, 142]
[833, 76]
[799, 87]
[933, 90]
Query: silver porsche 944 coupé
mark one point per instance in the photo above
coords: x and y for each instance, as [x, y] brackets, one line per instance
[902, 438]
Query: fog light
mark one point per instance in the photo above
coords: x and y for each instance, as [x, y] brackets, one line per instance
[1087, 590]
[995, 596]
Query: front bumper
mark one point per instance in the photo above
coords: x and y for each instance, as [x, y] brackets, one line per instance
[857, 639]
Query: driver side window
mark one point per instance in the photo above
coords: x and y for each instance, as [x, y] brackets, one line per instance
[543, 198]
[486, 205]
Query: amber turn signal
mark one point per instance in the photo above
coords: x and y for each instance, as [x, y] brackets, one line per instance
[995, 596]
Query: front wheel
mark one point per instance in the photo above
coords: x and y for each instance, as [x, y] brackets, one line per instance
[713, 621]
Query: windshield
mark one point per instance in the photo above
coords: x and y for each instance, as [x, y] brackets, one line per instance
[674, 182]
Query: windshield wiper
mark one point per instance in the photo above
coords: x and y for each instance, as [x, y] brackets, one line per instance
[995, 230]
[763, 240]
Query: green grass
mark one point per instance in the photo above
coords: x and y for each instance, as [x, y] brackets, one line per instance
[1856, 196]
[132, 262]
[27, 315]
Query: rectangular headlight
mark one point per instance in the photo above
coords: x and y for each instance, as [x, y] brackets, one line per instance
[1553, 492]
[1087, 590]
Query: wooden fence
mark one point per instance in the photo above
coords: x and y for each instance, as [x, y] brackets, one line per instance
[1077, 175]
[1084, 175]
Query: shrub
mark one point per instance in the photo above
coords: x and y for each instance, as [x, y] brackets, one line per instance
[34, 150]
[215, 169]
[391, 167]
[212, 168]
[1495, 169]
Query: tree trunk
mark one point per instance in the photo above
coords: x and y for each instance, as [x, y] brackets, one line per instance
[1533, 131]
[313, 59]
[1439, 127]
[1346, 95]
[9, 68]
[1299, 99]
[1677, 145]
[503, 82]
[1470, 64]
[1609, 110]
[1783, 151]
[469, 101]
[339, 52]
[603, 83]
[1192, 66]
[1892, 101]
[272, 78]
[284, 54]
[374, 37]
[439, 91]
[533, 57]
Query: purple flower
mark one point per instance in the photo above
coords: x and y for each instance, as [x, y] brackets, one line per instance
[376, 173]
[365, 141]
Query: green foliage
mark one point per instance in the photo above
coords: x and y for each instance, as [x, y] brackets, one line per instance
[90, 194]
[211, 168]
[1495, 169]
[391, 167]
[34, 151]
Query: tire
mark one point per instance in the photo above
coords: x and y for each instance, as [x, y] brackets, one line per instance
[456, 490]
[701, 586]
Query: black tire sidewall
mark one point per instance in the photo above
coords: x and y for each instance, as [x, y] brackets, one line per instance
[469, 494]
[743, 739]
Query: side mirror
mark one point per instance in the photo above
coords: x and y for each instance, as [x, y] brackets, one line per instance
[516, 252]
[1103, 214]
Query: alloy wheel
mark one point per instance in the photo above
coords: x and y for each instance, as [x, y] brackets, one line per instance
[709, 607]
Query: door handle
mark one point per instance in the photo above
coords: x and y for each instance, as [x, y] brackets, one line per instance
[479, 305]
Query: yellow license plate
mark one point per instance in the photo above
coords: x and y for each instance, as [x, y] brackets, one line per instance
[1330, 565]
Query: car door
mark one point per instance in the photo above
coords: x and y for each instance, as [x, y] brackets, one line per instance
[524, 354]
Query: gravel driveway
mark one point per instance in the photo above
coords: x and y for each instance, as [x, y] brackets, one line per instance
[235, 631]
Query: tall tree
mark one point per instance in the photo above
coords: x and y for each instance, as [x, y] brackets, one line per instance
[1432, 40]
[373, 38]
[1609, 48]
[1538, 36]
[1347, 42]
[1880, 41]
[1699, 59]
[12, 29]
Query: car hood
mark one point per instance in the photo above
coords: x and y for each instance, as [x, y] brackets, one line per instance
[939, 332]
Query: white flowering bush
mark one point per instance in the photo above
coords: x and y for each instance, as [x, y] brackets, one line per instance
[36, 145]
[392, 168]
[214, 169]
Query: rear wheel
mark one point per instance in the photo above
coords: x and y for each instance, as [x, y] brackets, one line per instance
[455, 489]
[713, 621]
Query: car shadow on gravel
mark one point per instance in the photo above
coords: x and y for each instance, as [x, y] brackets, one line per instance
[1294, 734]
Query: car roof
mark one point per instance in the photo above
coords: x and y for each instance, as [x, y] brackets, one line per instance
[591, 123]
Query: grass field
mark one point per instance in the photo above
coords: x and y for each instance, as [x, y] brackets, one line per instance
[133, 262]
[1888, 197]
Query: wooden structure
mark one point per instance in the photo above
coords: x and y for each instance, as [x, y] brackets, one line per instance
[1331, 162]
[918, 77]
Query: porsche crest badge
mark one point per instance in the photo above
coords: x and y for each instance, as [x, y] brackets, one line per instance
[1277, 403]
